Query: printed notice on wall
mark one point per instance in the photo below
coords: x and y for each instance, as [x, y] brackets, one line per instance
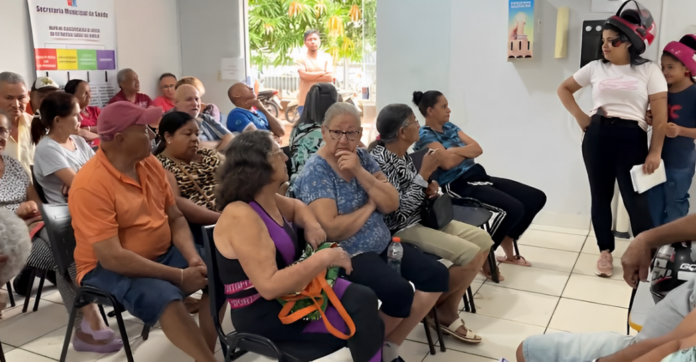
[76, 39]
[520, 29]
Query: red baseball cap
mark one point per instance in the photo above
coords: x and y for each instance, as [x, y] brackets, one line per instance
[116, 117]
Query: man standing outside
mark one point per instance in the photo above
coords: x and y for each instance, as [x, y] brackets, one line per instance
[314, 67]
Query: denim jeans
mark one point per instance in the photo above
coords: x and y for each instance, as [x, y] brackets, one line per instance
[670, 201]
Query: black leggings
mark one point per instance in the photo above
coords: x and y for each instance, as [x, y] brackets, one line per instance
[359, 301]
[611, 147]
[394, 290]
[516, 204]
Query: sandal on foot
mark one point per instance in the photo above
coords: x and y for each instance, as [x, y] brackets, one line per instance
[501, 278]
[457, 327]
[517, 260]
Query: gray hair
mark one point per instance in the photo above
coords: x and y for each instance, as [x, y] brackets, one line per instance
[11, 78]
[121, 75]
[339, 109]
[391, 120]
[15, 242]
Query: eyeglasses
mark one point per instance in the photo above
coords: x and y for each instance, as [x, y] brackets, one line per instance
[172, 86]
[350, 136]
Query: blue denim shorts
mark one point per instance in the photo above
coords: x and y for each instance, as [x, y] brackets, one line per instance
[145, 298]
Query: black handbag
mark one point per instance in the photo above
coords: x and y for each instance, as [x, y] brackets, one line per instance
[437, 212]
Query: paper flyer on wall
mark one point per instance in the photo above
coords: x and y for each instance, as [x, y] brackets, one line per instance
[76, 39]
[520, 29]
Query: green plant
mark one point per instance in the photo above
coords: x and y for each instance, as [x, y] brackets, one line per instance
[276, 28]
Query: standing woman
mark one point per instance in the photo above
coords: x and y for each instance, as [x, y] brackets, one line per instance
[623, 84]
[88, 114]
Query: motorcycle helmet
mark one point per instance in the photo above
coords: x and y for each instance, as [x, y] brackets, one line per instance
[636, 22]
[672, 266]
[685, 51]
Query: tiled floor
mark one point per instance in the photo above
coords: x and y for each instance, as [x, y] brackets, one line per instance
[559, 293]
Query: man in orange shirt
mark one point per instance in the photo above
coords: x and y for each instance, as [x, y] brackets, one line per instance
[313, 67]
[132, 240]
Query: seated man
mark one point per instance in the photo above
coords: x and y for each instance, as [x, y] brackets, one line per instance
[130, 89]
[42, 87]
[13, 100]
[132, 240]
[672, 319]
[213, 135]
[245, 118]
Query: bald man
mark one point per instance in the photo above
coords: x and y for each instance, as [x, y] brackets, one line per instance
[187, 99]
[250, 114]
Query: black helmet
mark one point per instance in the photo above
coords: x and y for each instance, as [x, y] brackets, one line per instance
[637, 23]
[672, 266]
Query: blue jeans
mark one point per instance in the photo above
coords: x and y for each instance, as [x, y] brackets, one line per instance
[145, 298]
[670, 201]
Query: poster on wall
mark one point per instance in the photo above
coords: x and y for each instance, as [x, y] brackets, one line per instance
[520, 29]
[76, 39]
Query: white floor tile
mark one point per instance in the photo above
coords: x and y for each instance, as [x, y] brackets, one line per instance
[17, 328]
[20, 355]
[516, 305]
[456, 356]
[551, 259]
[6, 348]
[620, 246]
[587, 265]
[550, 240]
[577, 316]
[535, 280]
[156, 348]
[551, 330]
[50, 345]
[500, 337]
[598, 290]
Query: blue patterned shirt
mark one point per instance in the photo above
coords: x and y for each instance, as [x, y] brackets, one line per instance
[319, 181]
[448, 138]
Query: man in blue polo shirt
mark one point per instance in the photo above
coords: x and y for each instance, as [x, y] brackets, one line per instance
[245, 118]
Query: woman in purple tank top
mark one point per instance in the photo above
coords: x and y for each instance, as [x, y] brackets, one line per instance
[257, 247]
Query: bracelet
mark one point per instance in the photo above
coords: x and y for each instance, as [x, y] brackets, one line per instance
[182, 277]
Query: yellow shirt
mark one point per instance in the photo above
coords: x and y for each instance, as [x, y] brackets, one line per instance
[22, 149]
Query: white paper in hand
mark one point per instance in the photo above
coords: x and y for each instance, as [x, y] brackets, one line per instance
[643, 182]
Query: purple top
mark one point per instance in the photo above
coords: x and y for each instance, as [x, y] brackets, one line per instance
[281, 238]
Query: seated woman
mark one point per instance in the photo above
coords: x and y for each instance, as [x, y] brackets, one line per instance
[257, 273]
[60, 152]
[305, 137]
[190, 169]
[206, 108]
[349, 195]
[515, 204]
[18, 194]
[166, 86]
[88, 114]
[464, 245]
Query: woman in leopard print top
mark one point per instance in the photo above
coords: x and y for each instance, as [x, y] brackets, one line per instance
[190, 169]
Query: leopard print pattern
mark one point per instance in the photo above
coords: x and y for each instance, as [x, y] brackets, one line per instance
[203, 173]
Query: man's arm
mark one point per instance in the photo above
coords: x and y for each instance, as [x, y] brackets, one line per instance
[112, 256]
[182, 237]
[275, 125]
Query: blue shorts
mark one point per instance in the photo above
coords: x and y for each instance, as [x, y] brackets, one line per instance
[145, 298]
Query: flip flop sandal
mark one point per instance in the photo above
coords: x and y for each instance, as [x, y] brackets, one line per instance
[519, 260]
[490, 277]
[469, 337]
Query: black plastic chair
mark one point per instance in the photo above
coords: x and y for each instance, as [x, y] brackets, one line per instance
[238, 344]
[62, 237]
[10, 294]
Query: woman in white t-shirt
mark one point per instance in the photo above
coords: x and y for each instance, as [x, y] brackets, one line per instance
[616, 139]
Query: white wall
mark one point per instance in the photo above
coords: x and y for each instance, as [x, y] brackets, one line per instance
[211, 30]
[510, 108]
[147, 36]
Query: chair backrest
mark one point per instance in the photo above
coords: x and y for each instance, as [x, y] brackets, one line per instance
[417, 158]
[288, 153]
[37, 187]
[58, 224]
[215, 286]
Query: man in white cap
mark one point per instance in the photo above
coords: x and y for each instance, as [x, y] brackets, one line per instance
[42, 87]
[13, 100]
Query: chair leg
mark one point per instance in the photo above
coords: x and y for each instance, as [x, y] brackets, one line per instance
[124, 336]
[517, 249]
[103, 314]
[429, 336]
[2, 354]
[466, 302]
[11, 294]
[68, 331]
[470, 296]
[145, 333]
[493, 266]
[438, 330]
[32, 276]
[38, 292]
